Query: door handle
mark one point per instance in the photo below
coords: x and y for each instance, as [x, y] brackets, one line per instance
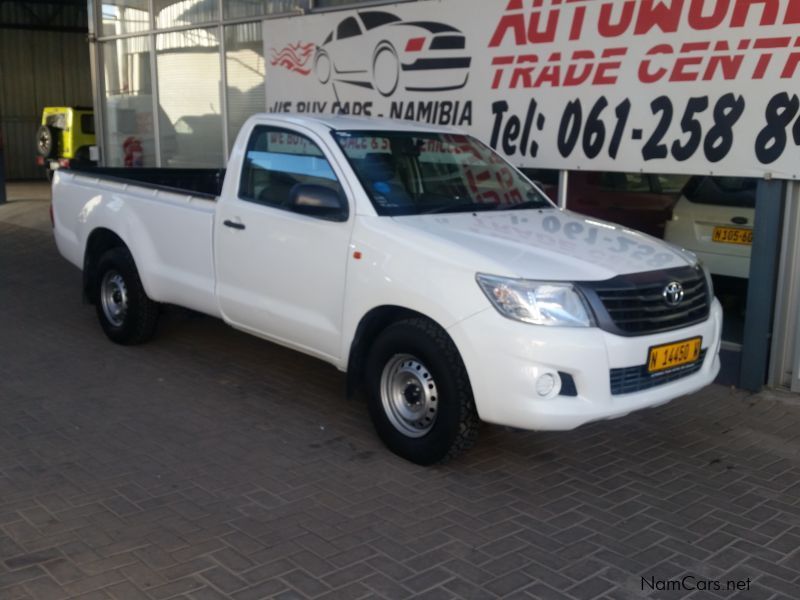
[233, 224]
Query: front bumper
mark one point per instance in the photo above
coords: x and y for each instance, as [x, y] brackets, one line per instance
[504, 358]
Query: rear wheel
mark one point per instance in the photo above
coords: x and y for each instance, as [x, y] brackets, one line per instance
[420, 398]
[126, 314]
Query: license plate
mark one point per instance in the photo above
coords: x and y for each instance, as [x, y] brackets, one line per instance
[733, 235]
[677, 354]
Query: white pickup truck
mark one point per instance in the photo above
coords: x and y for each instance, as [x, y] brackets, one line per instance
[416, 259]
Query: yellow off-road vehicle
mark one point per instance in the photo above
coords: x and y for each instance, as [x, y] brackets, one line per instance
[65, 137]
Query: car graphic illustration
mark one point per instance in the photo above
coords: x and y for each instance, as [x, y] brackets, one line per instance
[378, 50]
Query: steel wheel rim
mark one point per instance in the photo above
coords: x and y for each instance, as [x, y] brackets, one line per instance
[114, 298]
[409, 395]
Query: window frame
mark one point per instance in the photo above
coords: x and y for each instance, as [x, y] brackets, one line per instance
[257, 129]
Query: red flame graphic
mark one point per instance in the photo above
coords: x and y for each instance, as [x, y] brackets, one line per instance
[294, 57]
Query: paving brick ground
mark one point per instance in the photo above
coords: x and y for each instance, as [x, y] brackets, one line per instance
[209, 464]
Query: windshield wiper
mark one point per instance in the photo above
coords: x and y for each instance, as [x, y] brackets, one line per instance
[525, 205]
[459, 207]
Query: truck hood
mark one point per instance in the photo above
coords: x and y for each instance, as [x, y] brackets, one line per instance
[548, 244]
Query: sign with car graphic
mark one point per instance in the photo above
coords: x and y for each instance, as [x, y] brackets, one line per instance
[660, 86]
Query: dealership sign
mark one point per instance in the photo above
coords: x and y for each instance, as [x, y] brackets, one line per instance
[661, 86]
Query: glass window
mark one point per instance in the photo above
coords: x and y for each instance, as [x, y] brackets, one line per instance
[244, 61]
[348, 28]
[373, 19]
[236, 9]
[129, 137]
[722, 191]
[625, 182]
[175, 13]
[276, 161]
[672, 184]
[87, 124]
[324, 3]
[124, 16]
[408, 172]
[189, 84]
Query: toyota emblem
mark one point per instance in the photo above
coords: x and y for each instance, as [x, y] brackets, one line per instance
[673, 294]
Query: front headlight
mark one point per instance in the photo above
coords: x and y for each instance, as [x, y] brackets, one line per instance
[536, 302]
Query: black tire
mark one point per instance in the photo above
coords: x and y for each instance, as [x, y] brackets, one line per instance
[386, 48]
[323, 67]
[47, 141]
[135, 324]
[456, 424]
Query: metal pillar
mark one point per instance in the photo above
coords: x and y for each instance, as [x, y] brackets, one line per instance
[764, 262]
[563, 179]
[2, 170]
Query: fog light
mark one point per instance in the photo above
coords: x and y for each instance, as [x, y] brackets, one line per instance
[547, 385]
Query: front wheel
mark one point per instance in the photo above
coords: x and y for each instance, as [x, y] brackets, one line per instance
[420, 399]
[126, 314]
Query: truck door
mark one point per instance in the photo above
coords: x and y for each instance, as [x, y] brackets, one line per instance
[281, 273]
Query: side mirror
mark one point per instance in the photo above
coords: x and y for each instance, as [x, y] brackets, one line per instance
[318, 201]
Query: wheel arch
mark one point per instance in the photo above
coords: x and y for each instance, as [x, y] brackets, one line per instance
[100, 241]
[369, 327]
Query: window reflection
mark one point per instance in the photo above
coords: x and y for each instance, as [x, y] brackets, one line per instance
[175, 13]
[124, 16]
[244, 56]
[192, 135]
[235, 9]
[128, 112]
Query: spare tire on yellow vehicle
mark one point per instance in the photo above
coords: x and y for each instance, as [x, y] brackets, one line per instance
[64, 137]
[47, 141]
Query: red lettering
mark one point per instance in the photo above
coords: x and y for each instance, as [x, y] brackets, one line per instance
[549, 34]
[761, 67]
[645, 75]
[653, 13]
[680, 71]
[791, 66]
[729, 65]
[577, 23]
[572, 77]
[550, 74]
[792, 13]
[513, 23]
[525, 74]
[769, 13]
[604, 76]
[498, 73]
[608, 29]
[699, 21]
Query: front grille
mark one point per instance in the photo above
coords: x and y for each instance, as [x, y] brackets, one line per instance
[636, 379]
[634, 304]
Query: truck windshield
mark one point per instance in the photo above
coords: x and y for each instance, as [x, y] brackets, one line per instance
[413, 173]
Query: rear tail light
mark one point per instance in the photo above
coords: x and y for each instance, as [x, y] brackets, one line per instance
[40, 161]
[415, 44]
[63, 163]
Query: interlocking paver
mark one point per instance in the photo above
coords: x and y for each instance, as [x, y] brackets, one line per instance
[210, 464]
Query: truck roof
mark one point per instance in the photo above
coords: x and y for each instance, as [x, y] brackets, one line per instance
[344, 122]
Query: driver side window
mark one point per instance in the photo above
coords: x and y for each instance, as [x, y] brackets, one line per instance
[276, 161]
